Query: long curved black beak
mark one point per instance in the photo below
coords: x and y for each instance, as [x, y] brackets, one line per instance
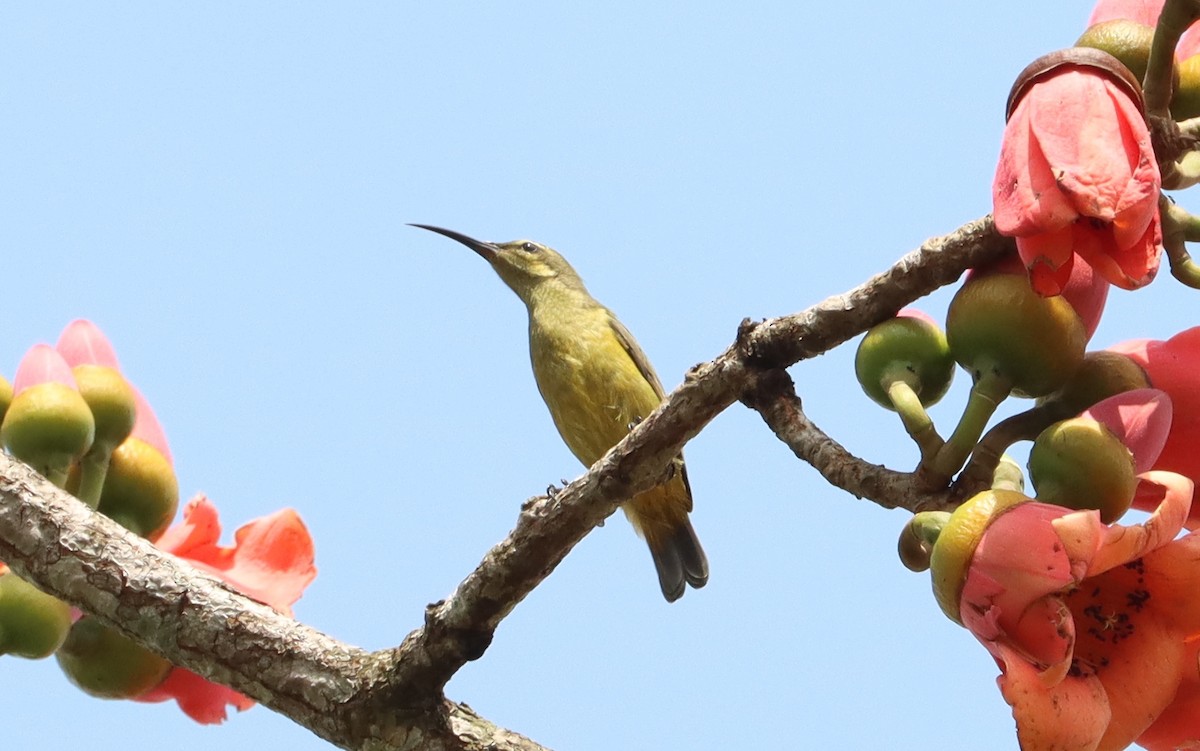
[487, 250]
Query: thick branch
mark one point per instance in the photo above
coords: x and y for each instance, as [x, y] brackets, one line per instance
[196, 621]
[780, 342]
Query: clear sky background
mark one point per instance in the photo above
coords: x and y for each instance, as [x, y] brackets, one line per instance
[224, 187]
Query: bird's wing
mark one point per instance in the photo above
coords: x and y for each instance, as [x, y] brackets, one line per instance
[625, 337]
[636, 354]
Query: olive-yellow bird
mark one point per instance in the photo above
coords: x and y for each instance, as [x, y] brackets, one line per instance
[597, 383]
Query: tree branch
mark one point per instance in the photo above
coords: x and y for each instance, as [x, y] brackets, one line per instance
[774, 397]
[393, 698]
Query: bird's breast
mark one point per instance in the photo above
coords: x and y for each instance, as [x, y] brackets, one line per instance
[592, 387]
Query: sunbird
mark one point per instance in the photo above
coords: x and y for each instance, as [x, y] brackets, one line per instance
[597, 383]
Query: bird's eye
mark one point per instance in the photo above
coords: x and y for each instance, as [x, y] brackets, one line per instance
[529, 247]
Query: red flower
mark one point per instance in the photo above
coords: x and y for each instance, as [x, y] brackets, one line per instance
[1095, 627]
[1078, 177]
[271, 561]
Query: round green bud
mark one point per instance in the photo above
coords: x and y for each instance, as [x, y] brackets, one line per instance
[32, 623]
[998, 326]
[107, 664]
[110, 398]
[48, 426]
[1128, 41]
[904, 348]
[140, 491]
[1101, 374]
[1080, 464]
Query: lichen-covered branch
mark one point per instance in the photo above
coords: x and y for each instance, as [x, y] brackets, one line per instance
[393, 698]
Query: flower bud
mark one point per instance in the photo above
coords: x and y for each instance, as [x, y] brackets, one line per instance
[1126, 40]
[6, 397]
[1100, 375]
[1185, 104]
[32, 623]
[94, 364]
[140, 490]
[998, 326]
[909, 347]
[1081, 464]
[48, 425]
[107, 664]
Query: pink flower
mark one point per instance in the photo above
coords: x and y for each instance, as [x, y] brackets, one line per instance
[83, 343]
[1173, 366]
[1141, 419]
[42, 364]
[1094, 627]
[271, 561]
[1077, 177]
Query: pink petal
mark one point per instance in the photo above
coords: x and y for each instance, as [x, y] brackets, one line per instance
[271, 560]
[1141, 419]
[1095, 142]
[83, 343]
[42, 364]
[197, 534]
[200, 699]
[146, 427]
[1087, 292]
[1189, 43]
[1050, 258]
[1123, 544]
[1025, 195]
[1145, 12]
[1174, 367]
[1018, 562]
[920, 315]
[1071, 715]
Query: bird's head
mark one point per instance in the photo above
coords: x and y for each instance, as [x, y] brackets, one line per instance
[523, 264]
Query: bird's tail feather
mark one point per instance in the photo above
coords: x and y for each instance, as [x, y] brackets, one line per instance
[679, 560]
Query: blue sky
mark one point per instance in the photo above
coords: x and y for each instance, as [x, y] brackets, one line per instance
[224, 187]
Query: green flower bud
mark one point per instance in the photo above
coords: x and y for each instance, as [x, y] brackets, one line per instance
[6, 396]
[32, 623]
[997, 326]
[1128, 41]
[909, 349]
[110, 399]
[107, 664]
[140, 492]
[1101, 374]
[1080, 464]
[48, 426]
